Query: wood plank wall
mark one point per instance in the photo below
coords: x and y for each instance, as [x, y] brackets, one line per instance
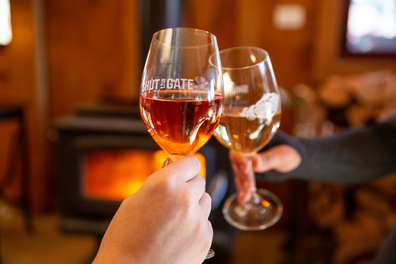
[87, 48]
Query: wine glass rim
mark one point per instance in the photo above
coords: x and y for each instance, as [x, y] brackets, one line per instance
[201, 31]
[240, 48]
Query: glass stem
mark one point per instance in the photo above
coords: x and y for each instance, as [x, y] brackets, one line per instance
[167, 162]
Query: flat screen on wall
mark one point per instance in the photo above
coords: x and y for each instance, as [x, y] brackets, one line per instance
[369, 28]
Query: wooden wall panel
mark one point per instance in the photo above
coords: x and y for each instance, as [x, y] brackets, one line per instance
[217, 17]
[289, 50]
[86, 51]
[240, 23]
[83, 52]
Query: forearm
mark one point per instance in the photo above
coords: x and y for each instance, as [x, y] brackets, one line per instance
[351, 156]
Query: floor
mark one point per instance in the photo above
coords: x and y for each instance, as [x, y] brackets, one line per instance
[259, 247]
[47, 245]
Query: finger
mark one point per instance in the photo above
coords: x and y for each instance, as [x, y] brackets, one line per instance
[196, 186]
[244, 182]
[184, 168]
[210, 231]
[281, 158]
[244, 196]
[206, 204]
[239, 160]
[244, 188]
[238, 179]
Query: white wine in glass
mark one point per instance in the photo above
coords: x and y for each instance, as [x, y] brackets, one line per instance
[252, 114]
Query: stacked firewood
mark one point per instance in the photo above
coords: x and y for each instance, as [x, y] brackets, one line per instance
[359, 217]
[363, 97]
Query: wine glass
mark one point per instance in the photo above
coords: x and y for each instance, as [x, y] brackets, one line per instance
[181, 95]
[251, 117]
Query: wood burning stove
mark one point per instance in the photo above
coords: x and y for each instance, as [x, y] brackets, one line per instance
[104, 155]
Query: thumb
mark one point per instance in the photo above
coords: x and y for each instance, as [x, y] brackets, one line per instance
[281, 158]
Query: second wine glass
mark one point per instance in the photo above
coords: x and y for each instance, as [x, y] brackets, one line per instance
[251, 117]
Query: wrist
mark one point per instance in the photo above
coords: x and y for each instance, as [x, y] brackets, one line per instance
[116, 257]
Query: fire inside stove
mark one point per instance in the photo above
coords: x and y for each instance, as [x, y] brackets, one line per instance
[117, 174]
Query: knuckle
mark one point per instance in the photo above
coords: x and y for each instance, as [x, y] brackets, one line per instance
[202, 180]
[265, 159]
[210, 229]
[126, 201]
[207, 198]
[186, 200]
[197, 163]
[283, 148]
[164, 186]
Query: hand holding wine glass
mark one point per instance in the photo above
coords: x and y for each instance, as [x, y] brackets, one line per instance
[181, 96]
[280, 158]
[149, 227]
[251, 117]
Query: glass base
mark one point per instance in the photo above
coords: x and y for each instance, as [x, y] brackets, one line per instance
[263, 210]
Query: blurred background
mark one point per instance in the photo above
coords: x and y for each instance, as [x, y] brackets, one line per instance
[68, 66]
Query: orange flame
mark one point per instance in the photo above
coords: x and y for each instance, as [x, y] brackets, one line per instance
[117, 174]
